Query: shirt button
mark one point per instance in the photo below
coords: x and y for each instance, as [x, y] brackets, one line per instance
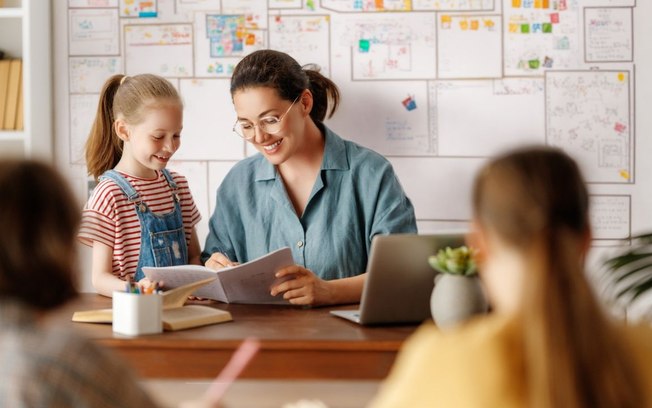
[300, 244]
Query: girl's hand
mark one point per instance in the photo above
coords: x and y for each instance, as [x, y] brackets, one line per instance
[148, 286]
[302, 287]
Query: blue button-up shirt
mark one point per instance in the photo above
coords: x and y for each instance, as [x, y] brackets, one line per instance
[356, 196]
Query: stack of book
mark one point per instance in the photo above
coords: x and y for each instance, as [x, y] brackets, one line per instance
[11, 94]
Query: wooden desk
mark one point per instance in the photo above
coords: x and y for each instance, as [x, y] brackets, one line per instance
[295, 343]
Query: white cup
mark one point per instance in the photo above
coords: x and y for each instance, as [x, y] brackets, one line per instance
[135, 314]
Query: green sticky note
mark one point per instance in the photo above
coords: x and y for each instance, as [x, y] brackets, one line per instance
[547, 27]
[525, 28]
[364, 45]
[534, 64]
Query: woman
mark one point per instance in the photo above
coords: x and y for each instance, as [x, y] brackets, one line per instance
[548, 342]
[308, 189]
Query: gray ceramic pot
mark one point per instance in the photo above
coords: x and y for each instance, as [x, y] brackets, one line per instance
[455, 298]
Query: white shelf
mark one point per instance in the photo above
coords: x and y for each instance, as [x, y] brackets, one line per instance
[11, 12]
[25, 31]
[12, 135]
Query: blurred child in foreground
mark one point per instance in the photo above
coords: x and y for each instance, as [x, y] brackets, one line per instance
[547, 343]
[42, 365]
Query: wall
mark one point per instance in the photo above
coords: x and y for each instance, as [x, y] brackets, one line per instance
[437, 86]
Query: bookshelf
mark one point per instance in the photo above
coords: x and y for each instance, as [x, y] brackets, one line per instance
[25, 30]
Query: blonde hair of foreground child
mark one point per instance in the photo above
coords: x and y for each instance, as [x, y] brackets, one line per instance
[534, 201]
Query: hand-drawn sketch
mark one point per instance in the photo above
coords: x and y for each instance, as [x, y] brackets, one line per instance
[162, 49]
[610, 216]
[608, 35]
[221, 41]
[588, 114]
[93, 32]
[391, 45]
[88, 74]
[540, 38]
[304, 37]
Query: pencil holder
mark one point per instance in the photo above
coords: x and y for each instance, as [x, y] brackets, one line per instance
[135, 314]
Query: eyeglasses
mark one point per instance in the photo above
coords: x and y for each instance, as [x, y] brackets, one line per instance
[269, 124]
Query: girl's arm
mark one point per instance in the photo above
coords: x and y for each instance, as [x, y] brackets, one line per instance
[194, 250]
[103, 280]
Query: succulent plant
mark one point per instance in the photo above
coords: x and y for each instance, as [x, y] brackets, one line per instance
[457, 261]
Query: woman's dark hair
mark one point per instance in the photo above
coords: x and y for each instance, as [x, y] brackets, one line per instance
[39, 219]
[279, 71]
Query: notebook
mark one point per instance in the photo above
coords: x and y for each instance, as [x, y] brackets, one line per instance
[399, 279]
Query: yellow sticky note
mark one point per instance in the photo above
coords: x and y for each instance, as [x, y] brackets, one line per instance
[621, 76]
[624, 174]
[475, 24]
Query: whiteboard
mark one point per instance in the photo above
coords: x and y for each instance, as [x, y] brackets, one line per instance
[437, 86]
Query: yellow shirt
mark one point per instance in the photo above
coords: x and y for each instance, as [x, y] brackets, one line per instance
[479, 364]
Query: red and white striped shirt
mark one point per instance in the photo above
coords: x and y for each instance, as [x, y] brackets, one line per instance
[110, 219]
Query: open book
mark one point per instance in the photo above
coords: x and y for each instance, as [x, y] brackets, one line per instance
[176, 315]
[249, 282]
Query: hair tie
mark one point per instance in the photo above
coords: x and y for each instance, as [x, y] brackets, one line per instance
[123, 79]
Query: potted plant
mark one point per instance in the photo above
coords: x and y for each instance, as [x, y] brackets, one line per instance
[457, 294]
[630, 272]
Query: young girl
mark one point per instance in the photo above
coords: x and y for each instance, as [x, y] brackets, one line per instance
[140, 213]
[548, 342]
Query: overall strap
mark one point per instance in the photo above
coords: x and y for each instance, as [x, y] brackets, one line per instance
[169, 178]
[123, 183]
[172, 184]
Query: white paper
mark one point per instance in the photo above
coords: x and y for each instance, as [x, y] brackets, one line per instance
[250, 282]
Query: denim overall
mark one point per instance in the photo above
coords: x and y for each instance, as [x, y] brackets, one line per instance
[162, 237]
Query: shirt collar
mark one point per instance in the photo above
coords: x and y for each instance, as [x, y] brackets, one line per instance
[335, 157]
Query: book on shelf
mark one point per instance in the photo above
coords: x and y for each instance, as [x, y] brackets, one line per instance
[250, 282]
[176, 314]
[4, 86]
[14, 88]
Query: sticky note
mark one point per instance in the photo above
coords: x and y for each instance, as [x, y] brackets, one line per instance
[363, 45]
[525, 28]
[533, 64]
[624, 174]
[547, 28]
[621, 76]
[409, 103]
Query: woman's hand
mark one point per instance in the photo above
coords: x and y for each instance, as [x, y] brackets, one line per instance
[218, 261]
[302, 287]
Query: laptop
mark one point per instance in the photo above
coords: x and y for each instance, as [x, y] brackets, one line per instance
[399, 279]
